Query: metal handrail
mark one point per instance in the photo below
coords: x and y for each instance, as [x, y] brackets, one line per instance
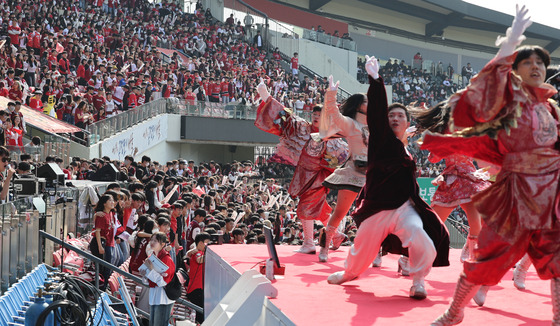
[324, 38]
[341, 93]
[460, 226]
[105, 128]
[105, 264]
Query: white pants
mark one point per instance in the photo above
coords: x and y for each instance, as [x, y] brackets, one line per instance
[403, 222]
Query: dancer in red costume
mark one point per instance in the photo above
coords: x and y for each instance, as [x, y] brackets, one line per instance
[350, 123]
[460, 179]
[509, 122]
[313, 158]
[390, 202]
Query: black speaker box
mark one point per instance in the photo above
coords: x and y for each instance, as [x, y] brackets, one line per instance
[107, 173]
[52, 173]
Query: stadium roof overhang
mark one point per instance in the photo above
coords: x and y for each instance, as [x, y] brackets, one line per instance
[437, 15]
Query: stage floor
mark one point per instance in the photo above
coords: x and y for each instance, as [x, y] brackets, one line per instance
[380, 295]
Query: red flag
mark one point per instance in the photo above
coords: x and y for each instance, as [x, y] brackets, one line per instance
[59, 48]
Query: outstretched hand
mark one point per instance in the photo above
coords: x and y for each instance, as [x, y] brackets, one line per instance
[520, 23]
[332, 85]
[514, 34]
[263, 92]
[410, 131]
[372, 67]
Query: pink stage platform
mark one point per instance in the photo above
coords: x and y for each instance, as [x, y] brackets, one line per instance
[380, 295]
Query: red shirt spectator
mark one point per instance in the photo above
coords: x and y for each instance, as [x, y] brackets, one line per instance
[36, 104]
[14, 31]
[132, 100]
[105, 222]
[15, 92]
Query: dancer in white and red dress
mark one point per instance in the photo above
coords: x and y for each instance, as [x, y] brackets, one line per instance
[350, 123]
[459, 181]
[313, 158]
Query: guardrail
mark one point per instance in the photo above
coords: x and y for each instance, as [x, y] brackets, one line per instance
[325, 38]
[52, 144]
[19, 234]
[458, 232]
[106, 128]
[105, 264]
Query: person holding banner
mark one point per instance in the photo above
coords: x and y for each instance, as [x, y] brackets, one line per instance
[313, 158]
[350, 122]
[509, 121]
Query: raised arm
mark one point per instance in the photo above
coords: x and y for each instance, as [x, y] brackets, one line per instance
[491, 89]
[377, 104]
[333, 124]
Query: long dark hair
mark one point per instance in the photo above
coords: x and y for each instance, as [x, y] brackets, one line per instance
[148, 227]
[100, 207]
[350, 107]
[434, 119]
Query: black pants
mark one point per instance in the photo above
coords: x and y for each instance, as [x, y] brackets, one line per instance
[197, 297]
[105, 272]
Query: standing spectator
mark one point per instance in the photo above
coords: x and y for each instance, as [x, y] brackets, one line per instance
[258, 41]
[110, 109]
[12, 135]
[30, 67]
[248, 21]
[195, 289]
[102, 244]
[133, 97]
[64, 64]
[160, 304]
[467, 73]
[450, 71]
[14, 32]
[230, 21]
[295, 64]
[417, 61]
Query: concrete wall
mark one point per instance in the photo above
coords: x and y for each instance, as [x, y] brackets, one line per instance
[198, 152]
[325, 60]
[221, 140]
[386, 46]
[81, 151]
[205, 152]
[223, 131]
[162, 152]
[216, 7]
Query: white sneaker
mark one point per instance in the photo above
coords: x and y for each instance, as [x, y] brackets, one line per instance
[323, 255]
[447, 320]
[337, 240]
[377, 261]
[306, 249]
[339, 278]
[480, 296]
[418, 292]
[520, 272]
[403, 266]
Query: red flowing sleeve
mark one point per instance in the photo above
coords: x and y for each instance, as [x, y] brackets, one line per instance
[294, 131]
[486, 96]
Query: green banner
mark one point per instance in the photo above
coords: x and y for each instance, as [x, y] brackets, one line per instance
[427, 189]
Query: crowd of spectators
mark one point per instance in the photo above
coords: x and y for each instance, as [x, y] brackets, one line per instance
[84, 61]
[229, 203]
[412, 84]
